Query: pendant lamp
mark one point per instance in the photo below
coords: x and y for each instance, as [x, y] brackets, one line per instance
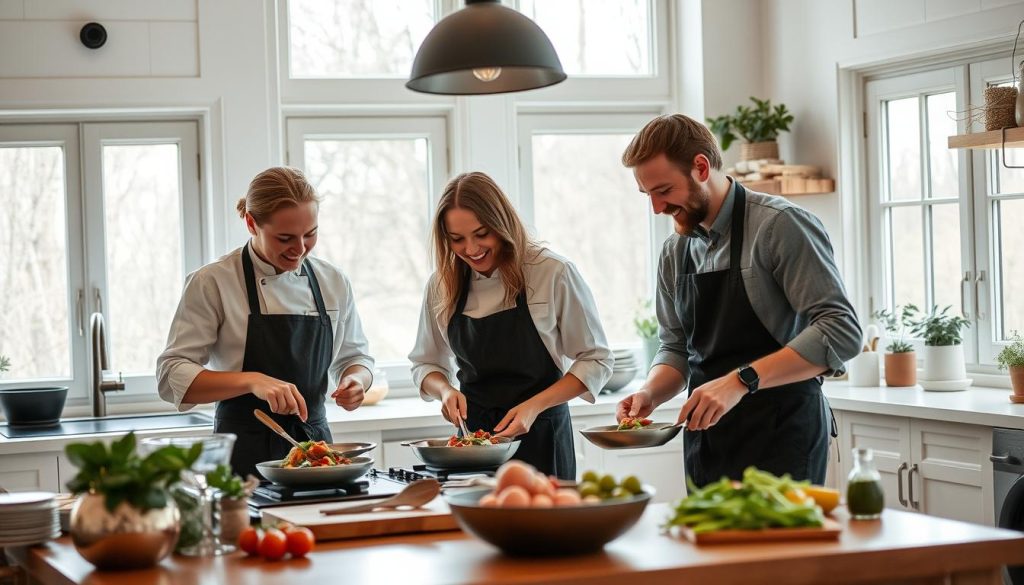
[485, 48]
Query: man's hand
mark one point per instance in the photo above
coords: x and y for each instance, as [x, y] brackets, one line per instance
[709, 402]
[350, 393]
[638, 404]
[453, 405]
[518, 420]
[282, 397]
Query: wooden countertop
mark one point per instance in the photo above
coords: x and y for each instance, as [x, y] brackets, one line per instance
[901, 546]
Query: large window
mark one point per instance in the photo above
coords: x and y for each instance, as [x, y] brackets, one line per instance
[102, 218]
[586, 206]
[937, 237]
[379, 178]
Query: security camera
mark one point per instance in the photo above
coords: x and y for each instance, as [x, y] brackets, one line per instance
[93, 35]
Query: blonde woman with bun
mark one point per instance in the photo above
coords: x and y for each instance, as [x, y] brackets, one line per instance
[268, 327]
[514, 322]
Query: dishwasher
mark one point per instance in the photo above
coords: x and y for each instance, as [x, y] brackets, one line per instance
[1008, 471]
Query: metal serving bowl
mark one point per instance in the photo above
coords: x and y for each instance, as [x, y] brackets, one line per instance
[564, 530]
[333, 475]
[437, 453]
[609, 437]
[352, 449]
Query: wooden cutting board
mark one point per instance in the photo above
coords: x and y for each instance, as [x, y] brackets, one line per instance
[830, 531]
[433, 517]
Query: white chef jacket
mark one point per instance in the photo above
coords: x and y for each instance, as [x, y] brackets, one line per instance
[562, 308]
[209, 327]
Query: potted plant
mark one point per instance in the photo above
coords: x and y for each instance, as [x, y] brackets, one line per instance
[1012, 358]
[900, 359]
[5, 364]
[759, 126]
[124, 517]
[646, 324]
[943, 348]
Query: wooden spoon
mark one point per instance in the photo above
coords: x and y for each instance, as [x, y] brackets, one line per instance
[265, 419]
[414, 495]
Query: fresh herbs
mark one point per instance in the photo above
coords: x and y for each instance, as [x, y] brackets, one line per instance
[1012, 356]
[939, 328]
[228, 483]
[897, 325]
[761, 123]
[121, 475]
[761, 500]
[5, 363]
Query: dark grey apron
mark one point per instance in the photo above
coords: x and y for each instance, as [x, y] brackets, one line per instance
[292, 348]
[502, 363]
[784, 429]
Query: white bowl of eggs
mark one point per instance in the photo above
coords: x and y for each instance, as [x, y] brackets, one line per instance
[528, 514]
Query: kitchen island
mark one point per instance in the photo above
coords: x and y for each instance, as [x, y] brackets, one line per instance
[902, 547]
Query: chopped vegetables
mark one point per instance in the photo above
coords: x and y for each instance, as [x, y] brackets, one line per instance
[314, 454]
[633, 424]
[480, 437]
[761, 500]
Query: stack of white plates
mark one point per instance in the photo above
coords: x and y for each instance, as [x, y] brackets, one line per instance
[624, 370]
[28, 518]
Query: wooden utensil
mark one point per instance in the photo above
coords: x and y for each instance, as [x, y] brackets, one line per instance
[414, 495]
[265, 419]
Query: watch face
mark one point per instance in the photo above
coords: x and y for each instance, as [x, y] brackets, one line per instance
[748, 375]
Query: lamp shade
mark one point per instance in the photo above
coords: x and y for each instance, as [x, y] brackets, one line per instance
[484, 48]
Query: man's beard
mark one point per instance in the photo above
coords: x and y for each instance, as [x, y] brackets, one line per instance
[695, 210]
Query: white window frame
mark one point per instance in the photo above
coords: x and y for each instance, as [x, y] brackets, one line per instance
[433, 128]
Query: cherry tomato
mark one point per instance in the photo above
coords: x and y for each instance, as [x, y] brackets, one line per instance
[274, 544]
[249, 540]
[300, 541]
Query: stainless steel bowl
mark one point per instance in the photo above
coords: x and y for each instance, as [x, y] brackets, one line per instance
[353, 449]
[334, 475]
[608, 437]
[437, 453]
[554, 531]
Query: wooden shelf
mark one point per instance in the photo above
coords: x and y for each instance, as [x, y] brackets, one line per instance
[792, 186]
[992, 139]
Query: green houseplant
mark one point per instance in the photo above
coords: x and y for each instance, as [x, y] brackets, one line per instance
[5, 363]
[759, 126]
[900, 359]
[943, 348]
[1011, 358]
[646, 324]
[124, 517]
[233, 494]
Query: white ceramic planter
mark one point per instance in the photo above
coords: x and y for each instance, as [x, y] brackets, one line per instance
[863, 370]
[944, 363]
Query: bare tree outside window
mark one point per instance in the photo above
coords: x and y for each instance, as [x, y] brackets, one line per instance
[373, 225]
[597, 37]
[356, 38]
[34, 312]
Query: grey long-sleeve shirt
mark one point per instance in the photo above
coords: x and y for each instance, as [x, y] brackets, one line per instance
[789, 273]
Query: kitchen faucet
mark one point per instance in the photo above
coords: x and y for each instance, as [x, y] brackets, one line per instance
[103, 379]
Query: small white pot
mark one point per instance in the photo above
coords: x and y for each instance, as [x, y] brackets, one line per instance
[944, 363]
[863, 370]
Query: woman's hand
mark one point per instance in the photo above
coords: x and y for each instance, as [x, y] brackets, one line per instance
[453, 405]
[350, 392]
[282, 397]
[518, 420]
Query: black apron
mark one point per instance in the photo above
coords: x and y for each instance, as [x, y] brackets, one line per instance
[784, 429]
[292, 348]
[502, 363]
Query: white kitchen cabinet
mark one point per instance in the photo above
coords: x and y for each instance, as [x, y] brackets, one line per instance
[938, 468]
[29, 472]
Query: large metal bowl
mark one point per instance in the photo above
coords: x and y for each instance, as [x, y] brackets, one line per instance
[609, 437]
[334, 475]
[565, 530]
[437, 453]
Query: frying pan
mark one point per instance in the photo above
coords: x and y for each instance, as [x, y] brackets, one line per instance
[437, 453]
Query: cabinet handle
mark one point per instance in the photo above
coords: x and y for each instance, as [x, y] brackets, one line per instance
[80, 312]
[1007, 459]
[910, 487]
[899, 484]
[963, 294]
[978, 280]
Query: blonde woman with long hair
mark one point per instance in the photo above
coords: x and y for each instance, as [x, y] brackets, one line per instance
[511, 320]
[268, 327]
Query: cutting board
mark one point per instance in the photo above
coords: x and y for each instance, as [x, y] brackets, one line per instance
[830, 531]
[433, 517]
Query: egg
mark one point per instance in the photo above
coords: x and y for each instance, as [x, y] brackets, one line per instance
[514, 496]
[542, 485]
[542, 501]
[515, 473]
[489, 501]
[567, 497]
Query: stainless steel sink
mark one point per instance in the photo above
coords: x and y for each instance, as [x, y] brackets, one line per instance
[110, 424]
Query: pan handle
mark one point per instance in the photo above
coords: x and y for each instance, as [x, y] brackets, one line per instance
[409, 443]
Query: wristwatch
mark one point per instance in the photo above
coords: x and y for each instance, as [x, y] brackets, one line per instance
[749, 378]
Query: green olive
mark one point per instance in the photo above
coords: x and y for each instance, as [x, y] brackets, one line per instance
[633, 485]
[590, 475]
[589, 488]
[608, 483]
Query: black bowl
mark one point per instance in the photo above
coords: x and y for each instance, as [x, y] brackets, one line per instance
[565, 530]
[35, 407]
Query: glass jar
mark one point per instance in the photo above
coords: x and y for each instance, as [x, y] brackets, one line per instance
[864, 496]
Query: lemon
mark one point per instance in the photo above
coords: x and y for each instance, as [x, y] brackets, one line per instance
[827, 498]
